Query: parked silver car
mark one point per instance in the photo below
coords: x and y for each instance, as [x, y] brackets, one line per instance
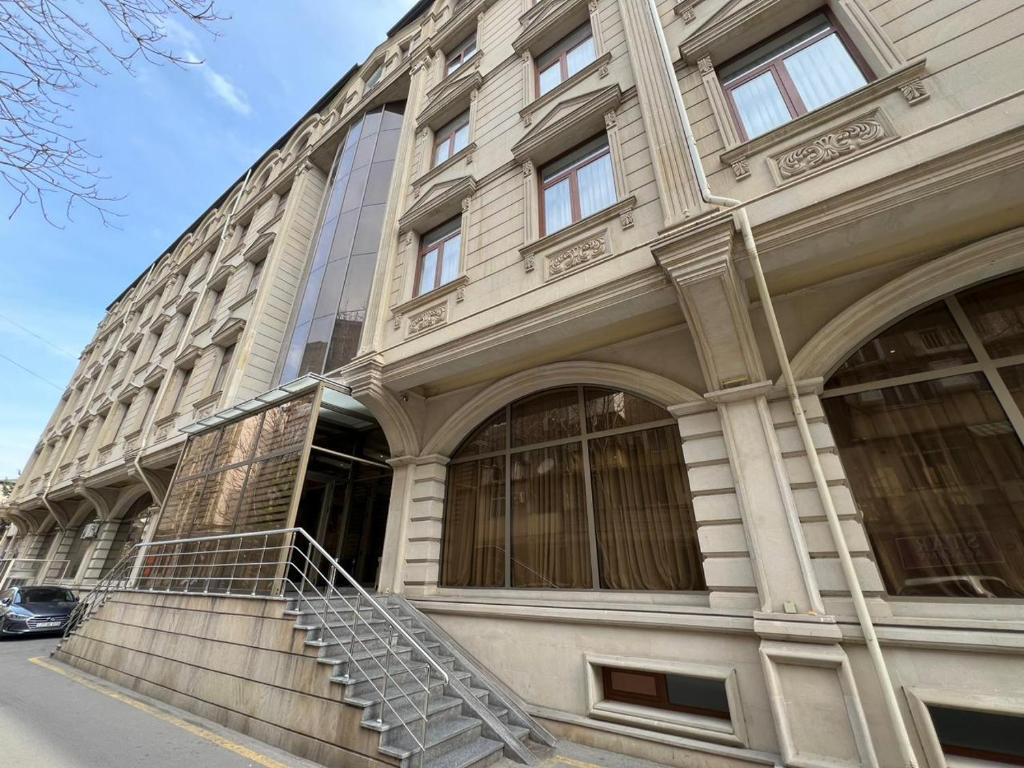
[35, 610]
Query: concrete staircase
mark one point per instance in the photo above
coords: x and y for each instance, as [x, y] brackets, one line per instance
[473, 720]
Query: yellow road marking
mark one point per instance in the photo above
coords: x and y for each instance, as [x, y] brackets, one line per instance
[195, 730]
[574, 763]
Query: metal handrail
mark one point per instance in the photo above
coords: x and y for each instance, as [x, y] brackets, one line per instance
[190, 566]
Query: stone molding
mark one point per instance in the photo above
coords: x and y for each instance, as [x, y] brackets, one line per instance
[428, 319]
[869, 129]
[573, 117]
[449, 101]
[600, 64]
[872, 92]
[653, 386]
[976, 262]
[578, 255]
[442, 201]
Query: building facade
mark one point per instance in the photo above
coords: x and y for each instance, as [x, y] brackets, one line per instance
[526, 240]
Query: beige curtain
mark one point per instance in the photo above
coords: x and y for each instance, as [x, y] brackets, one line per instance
[550, 544]
[474, 526]
[646, 537]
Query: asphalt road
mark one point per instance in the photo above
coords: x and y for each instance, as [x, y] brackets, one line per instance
[53, 716]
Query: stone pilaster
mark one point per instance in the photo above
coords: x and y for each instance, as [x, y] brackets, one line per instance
[662, 110]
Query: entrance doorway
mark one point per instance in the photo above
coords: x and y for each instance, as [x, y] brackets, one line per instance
[344, 500]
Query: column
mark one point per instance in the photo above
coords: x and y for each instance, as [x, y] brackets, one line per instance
[662, 108]
[743, 478]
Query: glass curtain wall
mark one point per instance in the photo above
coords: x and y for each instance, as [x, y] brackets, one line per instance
[238, 478]
[927, 418]
[332, 308]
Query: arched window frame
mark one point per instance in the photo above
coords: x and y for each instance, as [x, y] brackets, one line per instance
[984, 364]
[583, 438]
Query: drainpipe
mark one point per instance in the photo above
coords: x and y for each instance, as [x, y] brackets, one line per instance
[860, 605]
[158, 398]
[92, 393]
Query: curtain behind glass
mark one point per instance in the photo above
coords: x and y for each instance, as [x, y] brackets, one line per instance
[823, 72]
[597, 186]
[549, 519]
[474, 530]
[937, 472]
[557, 207]
[646, 537]
[760, 105]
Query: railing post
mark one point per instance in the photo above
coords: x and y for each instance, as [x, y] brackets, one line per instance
[387, 676]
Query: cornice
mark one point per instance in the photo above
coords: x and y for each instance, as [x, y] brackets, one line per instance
[598, 299]
[228, 331]
[472, 64]
[721, 25]
[564, 87]
[449, 101]
[458, 26]
[451, 162]
[568, 118]
[260, 245]
[442, 198]
[545, 23]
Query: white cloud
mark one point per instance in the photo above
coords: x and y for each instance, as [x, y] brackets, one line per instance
[222, 88]
[226, 91]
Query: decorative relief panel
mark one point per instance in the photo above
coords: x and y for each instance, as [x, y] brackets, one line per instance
[428, 319]
[577, 255]
[864, 131]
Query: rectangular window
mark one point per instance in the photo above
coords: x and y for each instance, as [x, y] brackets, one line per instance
[254, 278]
[577, 185]
[440, 252]
[374, 78]
[986, 736]
[797, 71]
[452, 138]
[215, 297]
[565, 58]
[179, 395]
[701, 696]
[458, 56]
[225, 366]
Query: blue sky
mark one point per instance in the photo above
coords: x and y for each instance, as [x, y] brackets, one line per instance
[171, 140]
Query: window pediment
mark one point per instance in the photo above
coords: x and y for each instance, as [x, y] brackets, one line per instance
[227, 331]
[740, 24]
[458, 26]
[187, 357]
[438, 204]
[260, 246]
[547, 22]
[449, 98]
[573, 117]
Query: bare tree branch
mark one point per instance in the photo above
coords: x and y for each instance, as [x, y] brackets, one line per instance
[48, 50]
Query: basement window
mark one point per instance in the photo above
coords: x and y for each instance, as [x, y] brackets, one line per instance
[980, 738]
[701, 696]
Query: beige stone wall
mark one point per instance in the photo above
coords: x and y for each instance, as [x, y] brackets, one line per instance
[239, 662]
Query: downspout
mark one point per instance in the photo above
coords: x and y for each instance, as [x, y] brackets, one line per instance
[186, 329]
[92, 393]
[860, 605]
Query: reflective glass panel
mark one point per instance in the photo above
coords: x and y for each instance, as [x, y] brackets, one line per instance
[937, 471]
[996, 311]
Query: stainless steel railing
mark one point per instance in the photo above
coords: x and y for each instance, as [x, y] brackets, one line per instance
[289, 563]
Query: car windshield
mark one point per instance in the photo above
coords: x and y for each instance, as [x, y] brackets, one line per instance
[46, 595]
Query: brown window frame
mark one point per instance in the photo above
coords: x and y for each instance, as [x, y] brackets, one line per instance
[458, 55]
[425, 247]
[659, 700]
[572, 173]
[563, 58]
[776, 65]
[446, 135]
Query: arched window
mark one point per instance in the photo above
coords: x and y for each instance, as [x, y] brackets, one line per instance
[573, 488]
[927, 418]
[79, 547]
